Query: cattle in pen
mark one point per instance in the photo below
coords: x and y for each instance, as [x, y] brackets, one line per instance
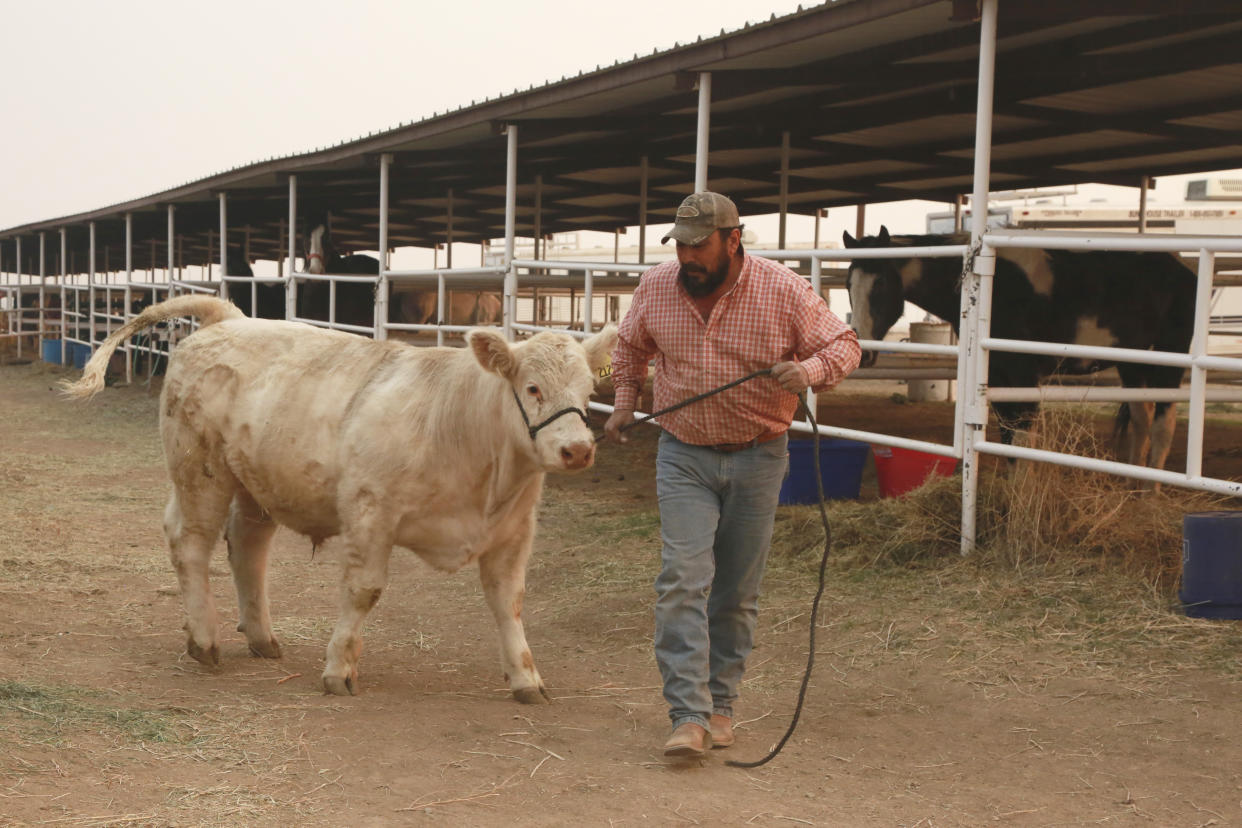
[442, 451]
[469, 307]
[1101, 298]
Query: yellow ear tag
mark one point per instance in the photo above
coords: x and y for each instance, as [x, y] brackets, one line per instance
[605, 370]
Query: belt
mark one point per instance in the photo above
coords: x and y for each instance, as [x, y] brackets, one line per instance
[729, 448]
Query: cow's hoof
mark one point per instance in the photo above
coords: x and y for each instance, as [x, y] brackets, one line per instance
[265, 649]
[209, 657]
[532, 695]
[339, 685]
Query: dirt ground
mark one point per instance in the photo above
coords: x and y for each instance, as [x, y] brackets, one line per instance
[951, 695]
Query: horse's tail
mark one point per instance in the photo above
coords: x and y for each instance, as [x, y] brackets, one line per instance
[1121, 425]
[208, 310]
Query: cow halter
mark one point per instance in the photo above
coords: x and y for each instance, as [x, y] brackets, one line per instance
[534, 429]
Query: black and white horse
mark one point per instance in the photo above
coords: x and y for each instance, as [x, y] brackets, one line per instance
[1100, 298]
[355, 302]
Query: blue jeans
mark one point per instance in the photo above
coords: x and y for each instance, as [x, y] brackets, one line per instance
[716, 517]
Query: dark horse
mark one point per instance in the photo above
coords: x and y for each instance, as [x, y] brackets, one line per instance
[271, 297]
[1127, 300]
[355, 301]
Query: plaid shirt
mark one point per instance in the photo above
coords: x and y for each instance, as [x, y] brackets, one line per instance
[770, 315]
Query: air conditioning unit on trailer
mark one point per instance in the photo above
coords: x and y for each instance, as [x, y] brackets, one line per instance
[1214, 189]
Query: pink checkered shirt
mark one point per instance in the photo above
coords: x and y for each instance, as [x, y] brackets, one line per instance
[770, 315]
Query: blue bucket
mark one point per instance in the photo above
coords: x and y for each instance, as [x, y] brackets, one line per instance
[1212, 564]
[51, 351]
[840, 465]
[81, 354]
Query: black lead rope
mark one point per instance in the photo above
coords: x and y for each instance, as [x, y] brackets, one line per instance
[819, 593]
[823, 562]
[761, 373]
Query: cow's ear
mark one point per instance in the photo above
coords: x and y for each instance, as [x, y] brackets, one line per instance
[848, 240]
[492, 351]
[599, 352]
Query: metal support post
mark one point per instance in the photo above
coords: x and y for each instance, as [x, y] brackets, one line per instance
[538, 213]
[224, 245]
[704, 125]
[1198, 374]
[64, 307]
[817, 285]
[784, 190]
[291, 286]
[18, 315]
[448, 233]
[510, 293]
[129, 293]
[381, 287]
[973, 363]
[1144, 183]
[42, 288]
[642, 209]
[90, 288]
[172, 249]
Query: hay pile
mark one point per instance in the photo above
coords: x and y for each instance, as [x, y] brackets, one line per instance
[1032, 517]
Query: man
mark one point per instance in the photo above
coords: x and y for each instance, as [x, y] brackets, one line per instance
[715, 315]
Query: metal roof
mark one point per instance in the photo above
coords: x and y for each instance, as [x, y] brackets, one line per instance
[878, 97]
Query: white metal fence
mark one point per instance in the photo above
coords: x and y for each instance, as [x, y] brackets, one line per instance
[578, 282]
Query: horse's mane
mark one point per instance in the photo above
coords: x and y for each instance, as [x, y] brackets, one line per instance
[940, 239]
[930, 240]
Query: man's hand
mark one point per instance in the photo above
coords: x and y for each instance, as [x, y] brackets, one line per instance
[791, 376]
[612, 428]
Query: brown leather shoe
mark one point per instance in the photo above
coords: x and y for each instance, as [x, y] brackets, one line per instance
[689, 740]
[722, 731]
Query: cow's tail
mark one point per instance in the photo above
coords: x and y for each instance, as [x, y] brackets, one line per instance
[207, 309]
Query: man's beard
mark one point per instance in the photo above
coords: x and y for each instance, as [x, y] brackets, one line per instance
[708, 280]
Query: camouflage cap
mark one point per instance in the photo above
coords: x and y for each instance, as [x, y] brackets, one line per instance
[700, 215]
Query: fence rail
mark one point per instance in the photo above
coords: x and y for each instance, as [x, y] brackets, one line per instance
[80, 321]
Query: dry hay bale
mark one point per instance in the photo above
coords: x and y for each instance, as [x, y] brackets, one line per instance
[1040, 514]
[923, 525]
[1030, 517]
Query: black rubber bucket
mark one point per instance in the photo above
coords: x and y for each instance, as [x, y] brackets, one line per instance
[1212, 564]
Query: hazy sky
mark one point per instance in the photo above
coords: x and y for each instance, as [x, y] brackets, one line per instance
[106, 102]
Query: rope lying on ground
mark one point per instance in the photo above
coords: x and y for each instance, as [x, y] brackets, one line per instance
[823, 563]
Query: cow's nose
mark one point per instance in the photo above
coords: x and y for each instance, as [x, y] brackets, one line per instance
[578, 455]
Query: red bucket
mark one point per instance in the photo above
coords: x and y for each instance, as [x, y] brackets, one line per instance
[899, 470]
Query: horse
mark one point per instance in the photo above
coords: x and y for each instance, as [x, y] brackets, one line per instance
[355, 302]
[1144, 301]
[271, 297]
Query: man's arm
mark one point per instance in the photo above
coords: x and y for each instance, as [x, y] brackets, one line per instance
[827, 348]
[630, 356]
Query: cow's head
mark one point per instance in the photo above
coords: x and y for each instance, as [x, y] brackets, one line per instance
[876, 298]
[551, 376]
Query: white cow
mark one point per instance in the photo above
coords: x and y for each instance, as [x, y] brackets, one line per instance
[439, 450]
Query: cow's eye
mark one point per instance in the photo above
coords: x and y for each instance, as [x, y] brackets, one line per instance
[533, 390]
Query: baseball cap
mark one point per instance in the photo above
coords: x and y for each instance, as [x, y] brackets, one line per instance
[700, 215]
